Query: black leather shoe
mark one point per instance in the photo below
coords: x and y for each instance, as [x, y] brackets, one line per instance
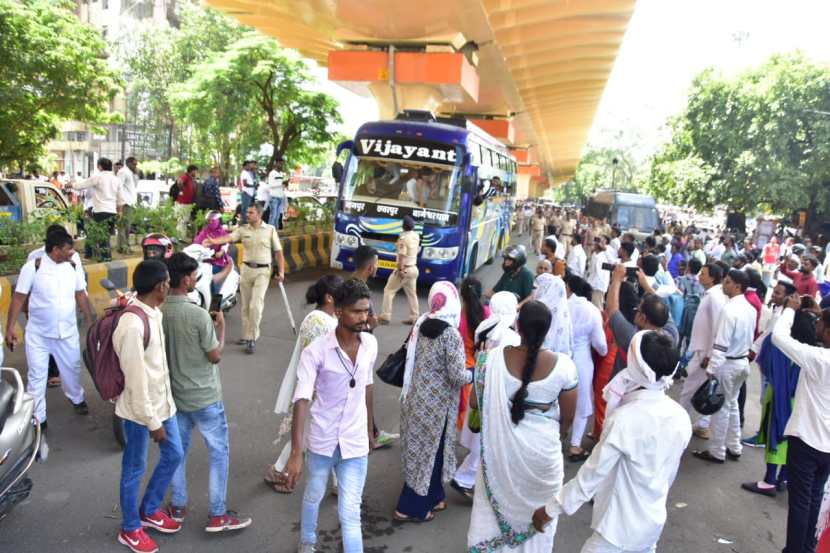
[706, 456]
[81, 408]
[251, 347]
[732, 456]
[754, 488]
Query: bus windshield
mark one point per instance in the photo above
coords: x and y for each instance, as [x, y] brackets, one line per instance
[401, 184]
[640, 217]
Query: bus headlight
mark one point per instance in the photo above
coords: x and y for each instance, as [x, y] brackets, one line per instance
[346, 240]
[440, 254]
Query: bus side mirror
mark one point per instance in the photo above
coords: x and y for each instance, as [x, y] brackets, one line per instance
[337, 171]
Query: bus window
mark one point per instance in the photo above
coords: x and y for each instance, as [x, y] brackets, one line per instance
[404, 184]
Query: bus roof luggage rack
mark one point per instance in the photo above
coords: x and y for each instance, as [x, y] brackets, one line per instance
[416, 115]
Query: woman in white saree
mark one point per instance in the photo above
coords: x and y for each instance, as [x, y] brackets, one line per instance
[527, 397]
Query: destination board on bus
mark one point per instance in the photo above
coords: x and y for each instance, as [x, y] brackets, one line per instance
[402, 149]
[421, 214]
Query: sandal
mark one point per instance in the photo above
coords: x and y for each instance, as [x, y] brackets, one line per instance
[276, 481]
[403, 518]
[440, 507]
[53, 382]
[578, 457]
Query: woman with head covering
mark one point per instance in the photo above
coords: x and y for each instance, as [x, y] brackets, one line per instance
[221, 261]
[473, 312]
[527, 395]
[433, 377]
[587, 333]
[628, 480]
[493, 332]
[550, 290]
[318, 322]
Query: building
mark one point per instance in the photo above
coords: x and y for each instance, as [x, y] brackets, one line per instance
[79, 145]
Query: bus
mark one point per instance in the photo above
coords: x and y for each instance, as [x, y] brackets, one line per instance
[634, 213]
[456, 181]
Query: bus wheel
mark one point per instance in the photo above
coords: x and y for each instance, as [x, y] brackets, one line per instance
[471, 263]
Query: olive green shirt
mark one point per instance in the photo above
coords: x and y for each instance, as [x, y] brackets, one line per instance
[189, 336]
[260, 243]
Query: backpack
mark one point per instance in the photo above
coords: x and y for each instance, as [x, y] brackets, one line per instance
[99, 356]
[175, 190]
[691, 303]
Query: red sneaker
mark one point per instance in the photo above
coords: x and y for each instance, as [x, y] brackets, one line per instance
[227, 522]
[137, 541]
[160, 522]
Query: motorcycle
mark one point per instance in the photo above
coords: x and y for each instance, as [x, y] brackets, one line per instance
[20, 439]
[201, 295]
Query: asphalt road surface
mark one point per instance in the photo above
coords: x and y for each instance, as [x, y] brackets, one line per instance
[74, 505]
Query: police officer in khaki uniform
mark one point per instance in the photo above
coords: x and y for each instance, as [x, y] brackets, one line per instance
[405, 276]
[260, 241]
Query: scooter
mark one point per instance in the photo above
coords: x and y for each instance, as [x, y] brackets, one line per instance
[20, 439]
[228, 291]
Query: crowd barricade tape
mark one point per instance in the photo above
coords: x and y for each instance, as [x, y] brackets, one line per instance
[300, 252]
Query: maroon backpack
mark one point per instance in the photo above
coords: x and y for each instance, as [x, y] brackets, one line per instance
[100, 357]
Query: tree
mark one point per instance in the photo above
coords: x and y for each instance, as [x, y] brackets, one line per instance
[262, 91]
[53, 68]
[597, 170]
[758, 141]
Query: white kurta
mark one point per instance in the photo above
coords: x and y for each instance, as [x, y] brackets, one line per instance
[587, 333]
[630, 470]
[577, 260]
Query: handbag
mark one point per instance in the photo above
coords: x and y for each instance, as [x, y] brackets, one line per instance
[391, 371]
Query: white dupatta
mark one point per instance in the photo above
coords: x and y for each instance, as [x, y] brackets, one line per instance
[521, 464]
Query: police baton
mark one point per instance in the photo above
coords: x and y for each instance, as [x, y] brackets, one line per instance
[288, 308]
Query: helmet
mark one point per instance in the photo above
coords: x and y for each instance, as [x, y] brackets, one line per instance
[708, 399]
[517, 253]
[157, 246]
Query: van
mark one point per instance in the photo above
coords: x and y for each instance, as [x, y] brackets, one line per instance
[21, 199]
[634, 213]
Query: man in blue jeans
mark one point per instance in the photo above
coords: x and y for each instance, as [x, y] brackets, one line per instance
[335, 369]
[194, 347]
[148, 410]
[276, 192]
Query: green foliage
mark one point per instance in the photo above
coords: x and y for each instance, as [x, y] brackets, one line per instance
[256, 92]
[595, 171]
[166, 218]
[54, 68]
[213, 92]
[758, 141]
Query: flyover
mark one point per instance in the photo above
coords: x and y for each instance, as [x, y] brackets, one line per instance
[531, 72]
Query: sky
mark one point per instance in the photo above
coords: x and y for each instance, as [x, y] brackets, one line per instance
[667, 43]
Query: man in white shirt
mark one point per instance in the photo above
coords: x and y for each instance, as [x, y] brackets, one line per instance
[630, 483]
[577, 259]
[54, 289]
[615, 240]
[598, 277]
[808, 430]
[249, 183]
[729, 363]
[276, 192]
[700, 343]
[126, 200]
[104, 186]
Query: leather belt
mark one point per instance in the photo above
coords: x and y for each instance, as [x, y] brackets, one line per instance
[737, 358]
[257, 265]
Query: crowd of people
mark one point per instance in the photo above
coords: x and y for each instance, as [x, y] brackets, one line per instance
[581, 351]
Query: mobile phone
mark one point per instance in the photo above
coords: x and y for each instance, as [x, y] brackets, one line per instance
[215, 304]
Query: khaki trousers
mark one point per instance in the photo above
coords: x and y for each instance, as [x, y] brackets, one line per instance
[253, 283]
[125, 221]
[536, 241]
[598, 298]
[395, 283]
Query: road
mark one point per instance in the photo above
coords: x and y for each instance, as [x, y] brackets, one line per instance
[74, 507]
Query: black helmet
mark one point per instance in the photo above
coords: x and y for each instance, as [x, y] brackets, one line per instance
[517, 253]
[708, 399]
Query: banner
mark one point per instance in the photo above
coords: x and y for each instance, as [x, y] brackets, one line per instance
[420, 214]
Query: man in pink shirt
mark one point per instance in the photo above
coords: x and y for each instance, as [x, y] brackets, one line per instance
[335, 370]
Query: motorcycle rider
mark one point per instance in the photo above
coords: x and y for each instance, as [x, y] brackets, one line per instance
[516, 278]
[221, 260]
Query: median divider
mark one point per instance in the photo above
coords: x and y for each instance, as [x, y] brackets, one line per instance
[301, 252]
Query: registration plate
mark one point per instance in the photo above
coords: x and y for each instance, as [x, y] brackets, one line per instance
[386, 264]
